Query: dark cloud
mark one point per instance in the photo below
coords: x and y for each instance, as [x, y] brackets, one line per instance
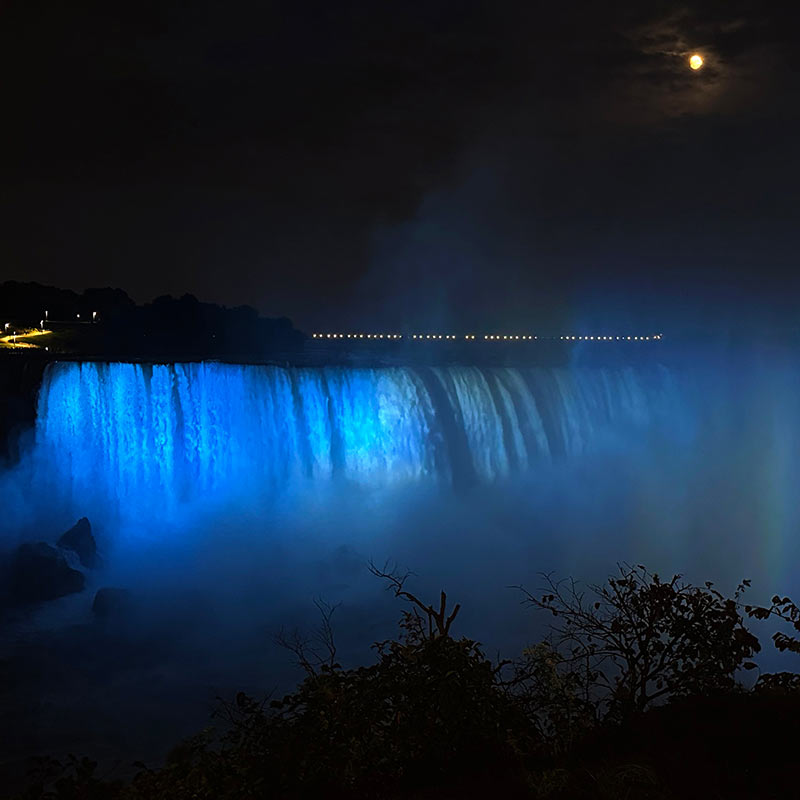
[267, 153]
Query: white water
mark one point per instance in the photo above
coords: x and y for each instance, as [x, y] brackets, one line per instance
[132, 436]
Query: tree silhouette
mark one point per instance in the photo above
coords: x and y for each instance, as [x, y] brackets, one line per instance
[636, 640]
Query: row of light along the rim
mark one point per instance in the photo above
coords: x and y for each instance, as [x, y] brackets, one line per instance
[493, 337]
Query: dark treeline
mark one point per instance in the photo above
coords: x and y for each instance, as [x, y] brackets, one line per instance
[166, 327]
[636, 693]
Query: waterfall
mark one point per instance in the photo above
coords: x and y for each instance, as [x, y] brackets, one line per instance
[164, 434]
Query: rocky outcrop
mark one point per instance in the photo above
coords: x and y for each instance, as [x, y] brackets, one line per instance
[79, 539]
[36, 573]
[110, 602]
[20, 380]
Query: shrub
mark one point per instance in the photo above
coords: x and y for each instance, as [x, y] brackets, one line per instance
[637, 640]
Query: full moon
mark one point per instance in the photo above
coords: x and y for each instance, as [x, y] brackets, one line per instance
[696, 61]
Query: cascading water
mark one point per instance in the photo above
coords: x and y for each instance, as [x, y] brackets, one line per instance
[127, 434]
[225, 497]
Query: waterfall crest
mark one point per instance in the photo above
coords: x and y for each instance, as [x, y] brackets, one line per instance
[170, 433]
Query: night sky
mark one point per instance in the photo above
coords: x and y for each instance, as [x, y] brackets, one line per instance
[472, 165]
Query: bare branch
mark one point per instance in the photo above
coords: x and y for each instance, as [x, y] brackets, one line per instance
[396, 582]
[315, 651]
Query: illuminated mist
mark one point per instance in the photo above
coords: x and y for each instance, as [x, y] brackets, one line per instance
[227, 497]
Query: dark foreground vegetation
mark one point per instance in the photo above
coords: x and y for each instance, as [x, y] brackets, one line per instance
[636, 693]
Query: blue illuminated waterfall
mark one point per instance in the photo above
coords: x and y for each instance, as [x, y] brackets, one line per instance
[164, 434]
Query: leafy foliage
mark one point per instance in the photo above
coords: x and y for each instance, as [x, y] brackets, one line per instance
[782, 608]
[778, 683]
[636, 640]
[554, 697]
[432, 714]
[73, 779]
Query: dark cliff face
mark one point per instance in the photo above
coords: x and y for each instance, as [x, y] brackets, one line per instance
[20, 379]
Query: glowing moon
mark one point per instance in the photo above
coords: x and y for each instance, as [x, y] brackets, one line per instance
[696, 61]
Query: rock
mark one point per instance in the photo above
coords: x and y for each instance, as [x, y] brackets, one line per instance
[38, 572]
[79, 539]
[111, 602]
